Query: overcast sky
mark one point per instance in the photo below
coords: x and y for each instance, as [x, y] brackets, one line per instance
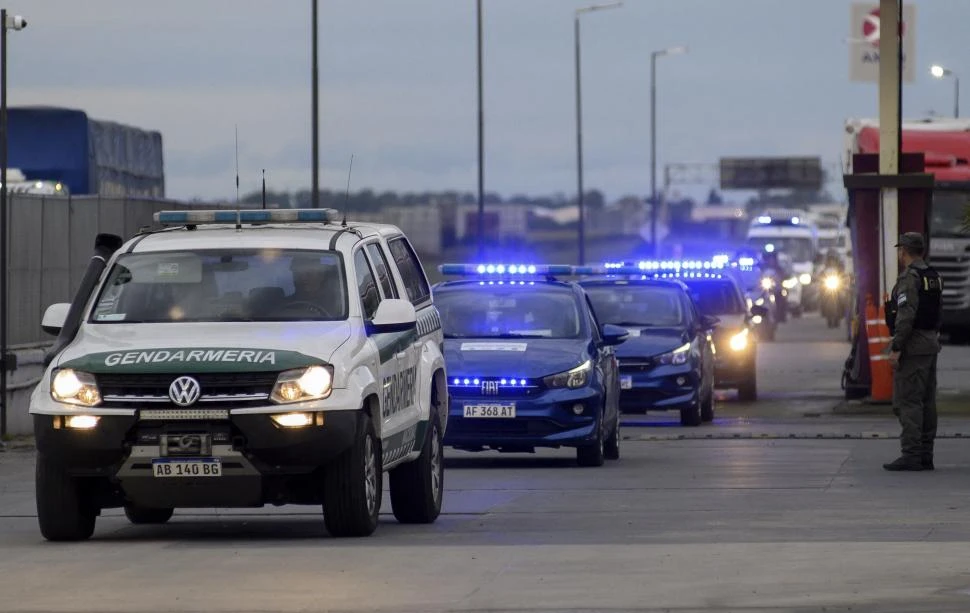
[398, 85]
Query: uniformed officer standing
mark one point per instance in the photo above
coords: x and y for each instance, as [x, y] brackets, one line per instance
[914, 315]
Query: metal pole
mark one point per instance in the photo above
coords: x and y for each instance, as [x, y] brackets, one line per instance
[4, 217]
[579, 150]
[481, 144]
[956, 96]
[654, 205]
[315, 112]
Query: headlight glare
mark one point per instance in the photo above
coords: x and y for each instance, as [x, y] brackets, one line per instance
[572, 379]
[832, 282]
[767, 283]
[805, 278]
[302, 384]
[739, 342]
[790, 283]
[73, 387]
[677, 356]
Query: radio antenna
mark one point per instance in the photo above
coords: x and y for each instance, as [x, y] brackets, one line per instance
[347, 196]
[238, 213]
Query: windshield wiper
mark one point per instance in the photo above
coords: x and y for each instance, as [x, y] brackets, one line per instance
[634, 324]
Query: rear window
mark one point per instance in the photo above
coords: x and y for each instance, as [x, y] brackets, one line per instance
[638, 305]
[415, 283]
[715, 297]
[506, 312]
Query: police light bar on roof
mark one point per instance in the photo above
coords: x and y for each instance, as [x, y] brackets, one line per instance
[506, 270]
[648, 272]
[247, 216]
[768, 220]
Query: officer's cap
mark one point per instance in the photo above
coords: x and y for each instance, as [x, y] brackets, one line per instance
[912, 240]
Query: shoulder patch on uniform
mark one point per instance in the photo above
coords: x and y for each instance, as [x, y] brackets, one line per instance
[901, 300]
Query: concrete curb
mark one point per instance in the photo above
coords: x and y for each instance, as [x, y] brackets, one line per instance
[728, 436]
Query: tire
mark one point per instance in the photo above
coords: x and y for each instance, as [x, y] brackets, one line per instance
[593, 454]
[707, 408]
[143, 515]
[63, 511]
[417, 487]
[611, 447]
[691, 416]
[748, 390]
[353, 486]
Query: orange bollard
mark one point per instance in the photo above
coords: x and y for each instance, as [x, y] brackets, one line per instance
[877, 333]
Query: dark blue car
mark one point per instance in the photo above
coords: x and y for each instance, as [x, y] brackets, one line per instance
[667, 363]
[529, 366]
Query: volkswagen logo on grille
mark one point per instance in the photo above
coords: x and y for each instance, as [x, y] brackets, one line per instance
[184, 391]
[489, 388]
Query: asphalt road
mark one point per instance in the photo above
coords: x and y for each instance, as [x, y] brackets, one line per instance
[779, 505]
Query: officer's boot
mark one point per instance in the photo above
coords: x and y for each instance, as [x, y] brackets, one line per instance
[927, 461]
[905, 463]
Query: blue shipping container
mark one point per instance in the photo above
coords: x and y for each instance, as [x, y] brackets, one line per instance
[89, 156]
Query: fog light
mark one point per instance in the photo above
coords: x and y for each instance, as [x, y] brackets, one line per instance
[757, 319]
[681, 381]
[81, 422]
[578, 409]
[293, 420]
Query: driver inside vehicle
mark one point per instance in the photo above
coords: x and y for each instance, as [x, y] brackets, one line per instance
[315, 285]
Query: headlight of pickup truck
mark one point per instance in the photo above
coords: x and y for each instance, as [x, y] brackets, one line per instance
[790, 283]
[577, 377]
[739, 341]
[677, 356]
[302, 384]
[73, 387]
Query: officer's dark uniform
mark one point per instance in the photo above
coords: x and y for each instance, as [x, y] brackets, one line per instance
[914, 315]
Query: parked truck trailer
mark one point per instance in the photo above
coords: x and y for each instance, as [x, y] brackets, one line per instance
[89, 156]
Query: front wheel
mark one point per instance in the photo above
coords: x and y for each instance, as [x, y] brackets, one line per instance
[691, 416]
[707, 407]
[611, 448]
[417, 487]
[63, 510]
[748, 390]
[593, 454]
[353, 486]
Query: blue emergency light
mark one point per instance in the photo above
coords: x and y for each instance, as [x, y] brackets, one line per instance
[506, 270]
[248, 216]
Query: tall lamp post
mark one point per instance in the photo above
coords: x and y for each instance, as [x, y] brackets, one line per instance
[481, 142]
[654, 205]
[940, 72]
[314, 110]
[579, 125]
[12, 22]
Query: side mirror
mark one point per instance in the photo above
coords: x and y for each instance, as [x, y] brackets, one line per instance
[709, 321]
[759, 310]
[614, 335]
[54, 318]
[394, 315]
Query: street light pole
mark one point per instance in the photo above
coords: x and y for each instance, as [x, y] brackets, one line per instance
[481, 143]
[579, 149]
[654, 204]
[940, 72]
[15, 23]
[653, 155]
[315, 111]
[579, 126]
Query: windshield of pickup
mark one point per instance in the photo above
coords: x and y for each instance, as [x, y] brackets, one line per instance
[948, 212]
[223, 285]
[476, 311]
[799, 249]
